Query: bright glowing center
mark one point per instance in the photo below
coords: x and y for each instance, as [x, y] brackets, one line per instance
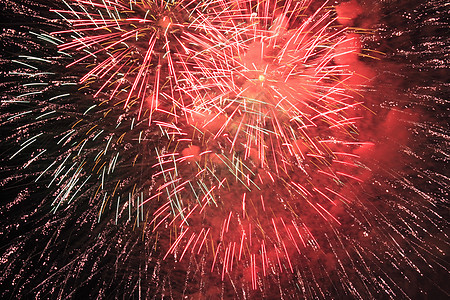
[165, 22]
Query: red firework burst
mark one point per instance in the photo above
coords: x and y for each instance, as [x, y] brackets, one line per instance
[255, 104]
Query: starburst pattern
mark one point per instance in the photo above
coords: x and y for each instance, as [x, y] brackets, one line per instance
[229, 140]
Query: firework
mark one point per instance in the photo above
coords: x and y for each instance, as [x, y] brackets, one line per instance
[213, 143]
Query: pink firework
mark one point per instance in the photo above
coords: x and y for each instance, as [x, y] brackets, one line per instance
[267, 148]
[258, 114]
[137, 53]
[257, 111]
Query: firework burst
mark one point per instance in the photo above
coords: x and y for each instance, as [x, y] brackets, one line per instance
[280, 117]
[211, 143]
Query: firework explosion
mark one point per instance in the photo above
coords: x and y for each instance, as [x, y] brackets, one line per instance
[246, 149]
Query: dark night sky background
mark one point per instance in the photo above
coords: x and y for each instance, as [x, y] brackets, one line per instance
[62, 255]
